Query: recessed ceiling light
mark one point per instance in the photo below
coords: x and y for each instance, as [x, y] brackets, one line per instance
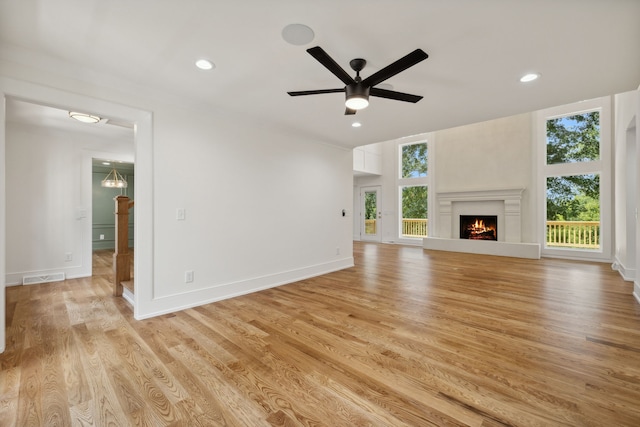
[106, 163]
[83, 117]
[297, 34]
[529, 77]
[356, 124]
[204, 64]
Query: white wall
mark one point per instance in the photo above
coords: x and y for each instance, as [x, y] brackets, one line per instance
[636, 283]
[496, 154]
[44, 197]
[625, 176]
[3, 245]
[262, 208]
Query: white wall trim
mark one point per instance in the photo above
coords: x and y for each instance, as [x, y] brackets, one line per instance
[603, 166]
[3, 232]
[628, 274]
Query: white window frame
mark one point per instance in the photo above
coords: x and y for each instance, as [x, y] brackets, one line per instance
[414, 182]
[602, 166]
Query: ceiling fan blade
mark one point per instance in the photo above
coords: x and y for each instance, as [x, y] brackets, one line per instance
[331, 65]
[392, 69]
[392, 94]
[349, 112]
[315, 92]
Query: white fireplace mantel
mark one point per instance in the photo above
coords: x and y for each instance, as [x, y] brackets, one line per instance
[504, 203]
[479, 195]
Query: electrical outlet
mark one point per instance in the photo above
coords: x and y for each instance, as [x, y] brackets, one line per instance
[102, 237]
[188, 276]
[68, 256]
[337, 251]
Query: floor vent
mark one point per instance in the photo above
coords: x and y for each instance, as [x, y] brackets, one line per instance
[32, 280]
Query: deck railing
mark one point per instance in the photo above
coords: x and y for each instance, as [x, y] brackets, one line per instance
[370, 226]
[411, 227]
[566, 234]
[573, 234]
[414, 227]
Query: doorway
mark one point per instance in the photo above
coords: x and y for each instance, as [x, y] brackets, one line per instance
[370, 214]
[78, 212]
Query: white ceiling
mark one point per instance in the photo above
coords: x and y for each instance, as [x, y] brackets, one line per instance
[477, 52]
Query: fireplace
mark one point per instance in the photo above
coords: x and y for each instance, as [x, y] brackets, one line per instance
[503, 206]
[479, 227]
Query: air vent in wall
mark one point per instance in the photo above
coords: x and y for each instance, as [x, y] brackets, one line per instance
[32, 280]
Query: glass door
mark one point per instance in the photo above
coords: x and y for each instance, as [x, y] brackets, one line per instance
[370, 214]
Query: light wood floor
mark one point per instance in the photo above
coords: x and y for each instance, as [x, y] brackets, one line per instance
[407, 337]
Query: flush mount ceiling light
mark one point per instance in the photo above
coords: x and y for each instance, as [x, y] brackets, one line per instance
[529, 77]
[356, 124]
[83, 117]
[204, 64]
[114, 180]
[297, 34]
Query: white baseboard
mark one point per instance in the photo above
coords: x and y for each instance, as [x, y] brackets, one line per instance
[176, 302]
[128, 296]
[628, 274]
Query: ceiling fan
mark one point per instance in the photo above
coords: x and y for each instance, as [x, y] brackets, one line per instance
[357, 90]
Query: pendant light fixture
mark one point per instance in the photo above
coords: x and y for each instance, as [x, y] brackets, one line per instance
[114, 180]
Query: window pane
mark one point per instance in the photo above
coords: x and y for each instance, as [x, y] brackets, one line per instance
[370, 210]
[573, 211]
[573, 139]
[414, 211]
[414, 160]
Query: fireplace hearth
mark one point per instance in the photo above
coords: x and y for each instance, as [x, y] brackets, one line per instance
[503, 203]
[479, 227]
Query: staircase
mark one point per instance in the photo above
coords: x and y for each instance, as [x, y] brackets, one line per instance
[122, 257]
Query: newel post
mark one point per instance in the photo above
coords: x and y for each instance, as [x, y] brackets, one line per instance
[121, 257]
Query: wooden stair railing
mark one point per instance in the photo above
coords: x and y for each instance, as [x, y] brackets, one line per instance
[122, 256]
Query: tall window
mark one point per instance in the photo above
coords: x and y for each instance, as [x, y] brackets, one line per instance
[413, 190]
[574, 173]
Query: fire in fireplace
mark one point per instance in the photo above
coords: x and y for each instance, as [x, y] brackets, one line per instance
[475, 227]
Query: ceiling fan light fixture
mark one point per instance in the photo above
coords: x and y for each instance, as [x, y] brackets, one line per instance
[357, 97]
[357, 103]
[83, 117]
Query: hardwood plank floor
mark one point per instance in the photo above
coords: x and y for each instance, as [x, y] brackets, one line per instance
[406, 338]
